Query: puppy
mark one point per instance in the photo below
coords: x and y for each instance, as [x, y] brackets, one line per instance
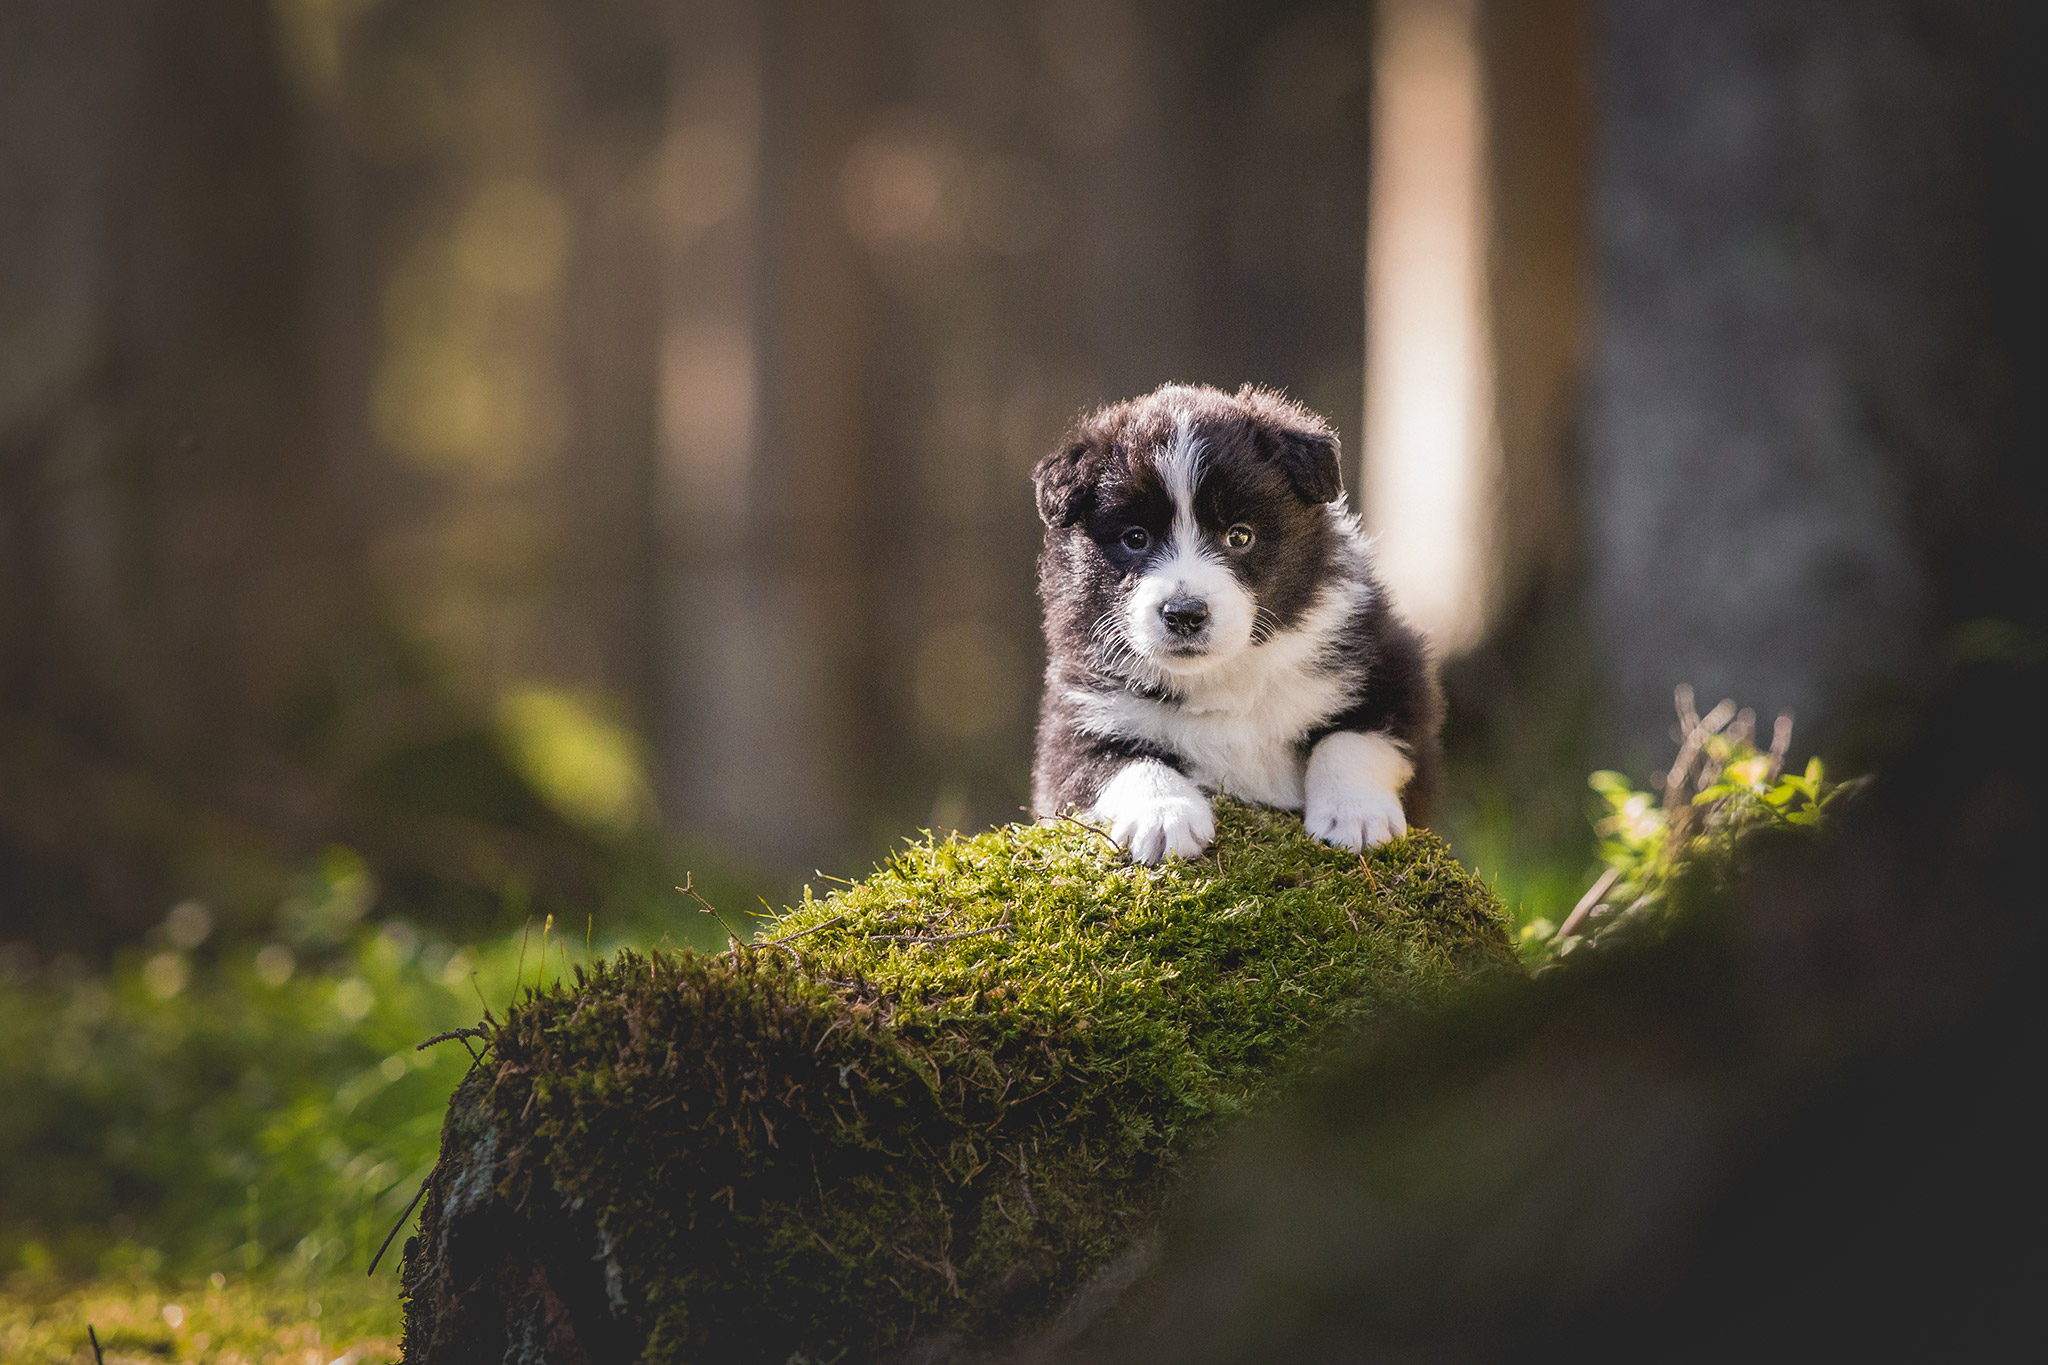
[1213, 625]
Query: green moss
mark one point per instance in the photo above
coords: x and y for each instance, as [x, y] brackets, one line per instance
[952, 1092]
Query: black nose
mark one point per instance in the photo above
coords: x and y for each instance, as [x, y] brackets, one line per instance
[1185, 615]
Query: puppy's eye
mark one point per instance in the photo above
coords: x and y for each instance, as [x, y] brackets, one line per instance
[1136, 539]
[1238, 536]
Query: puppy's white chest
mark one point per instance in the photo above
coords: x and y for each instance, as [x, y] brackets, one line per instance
[1241, 757]
[1240, 735]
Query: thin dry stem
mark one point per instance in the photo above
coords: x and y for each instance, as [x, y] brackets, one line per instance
[786, 938]
[1586, 903]
[689, 888]
[934, 938]
[1781, 742]
[1098, 832]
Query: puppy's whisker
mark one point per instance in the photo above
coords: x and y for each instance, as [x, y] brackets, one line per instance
[1119, 660]
[1112, 640]
[1115, 656]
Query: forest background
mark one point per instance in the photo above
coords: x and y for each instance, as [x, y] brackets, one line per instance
[463, 464]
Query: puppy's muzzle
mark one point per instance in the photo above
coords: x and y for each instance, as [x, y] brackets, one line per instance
[1185, 616]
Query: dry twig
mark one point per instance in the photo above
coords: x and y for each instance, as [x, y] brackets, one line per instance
[401, 1222]
[451, 1034]
[934, 938]
[689, 888]
[779, 942]
[1781, 740]
[1095, 830]
[1586, 903]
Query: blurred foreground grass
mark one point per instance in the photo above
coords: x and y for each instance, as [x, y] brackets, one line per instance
[250, 1118]
[239, 1114]
[200, 1152]
[218, 1321]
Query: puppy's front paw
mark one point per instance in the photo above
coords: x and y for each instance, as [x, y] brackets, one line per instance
[1156, 813]
[1353, 791]
[1171, 828]
[1357, 819]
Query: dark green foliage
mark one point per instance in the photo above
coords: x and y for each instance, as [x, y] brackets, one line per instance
[946, 1096]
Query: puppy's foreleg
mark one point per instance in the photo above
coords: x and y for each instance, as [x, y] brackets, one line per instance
[1353, 789]
[1155, 812]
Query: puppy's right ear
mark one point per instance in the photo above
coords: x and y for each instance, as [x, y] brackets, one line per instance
[1065, 483]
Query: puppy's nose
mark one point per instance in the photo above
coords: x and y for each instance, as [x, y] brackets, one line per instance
[1185, 615]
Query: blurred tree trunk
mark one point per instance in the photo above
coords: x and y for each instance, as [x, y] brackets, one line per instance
[772, 500]
[605, 603]
[177, 554]
[1784, 387]
[1539, 125]
[1788, 396]
[1522, 700]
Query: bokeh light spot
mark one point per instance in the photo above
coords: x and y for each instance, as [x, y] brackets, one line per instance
[584, 766]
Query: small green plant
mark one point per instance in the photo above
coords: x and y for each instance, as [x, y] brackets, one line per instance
[1719, 791]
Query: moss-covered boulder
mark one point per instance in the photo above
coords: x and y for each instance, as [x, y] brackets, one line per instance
[926, 1111]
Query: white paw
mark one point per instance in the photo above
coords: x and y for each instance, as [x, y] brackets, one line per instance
[1155, 813]
[1353, 790]
[1357, 819]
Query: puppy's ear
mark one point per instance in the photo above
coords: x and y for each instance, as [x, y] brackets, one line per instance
[1065, 493]
[1310, 459]
[1300, 442]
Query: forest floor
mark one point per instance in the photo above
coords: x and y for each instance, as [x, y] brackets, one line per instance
[217, 1321]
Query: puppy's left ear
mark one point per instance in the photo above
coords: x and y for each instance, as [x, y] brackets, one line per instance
[1311, 461]
[1300, 442]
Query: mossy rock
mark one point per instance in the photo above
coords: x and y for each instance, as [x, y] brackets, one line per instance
[953, 1092]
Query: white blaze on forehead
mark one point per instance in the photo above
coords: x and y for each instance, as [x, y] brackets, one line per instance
[1179, 463]
[1188, 568]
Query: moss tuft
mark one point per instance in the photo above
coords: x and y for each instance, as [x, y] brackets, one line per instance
[950, 1093]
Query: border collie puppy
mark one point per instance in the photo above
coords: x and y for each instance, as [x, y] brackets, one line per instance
[1214, 625]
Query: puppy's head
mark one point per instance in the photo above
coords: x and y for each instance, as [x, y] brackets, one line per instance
[1185, 527]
